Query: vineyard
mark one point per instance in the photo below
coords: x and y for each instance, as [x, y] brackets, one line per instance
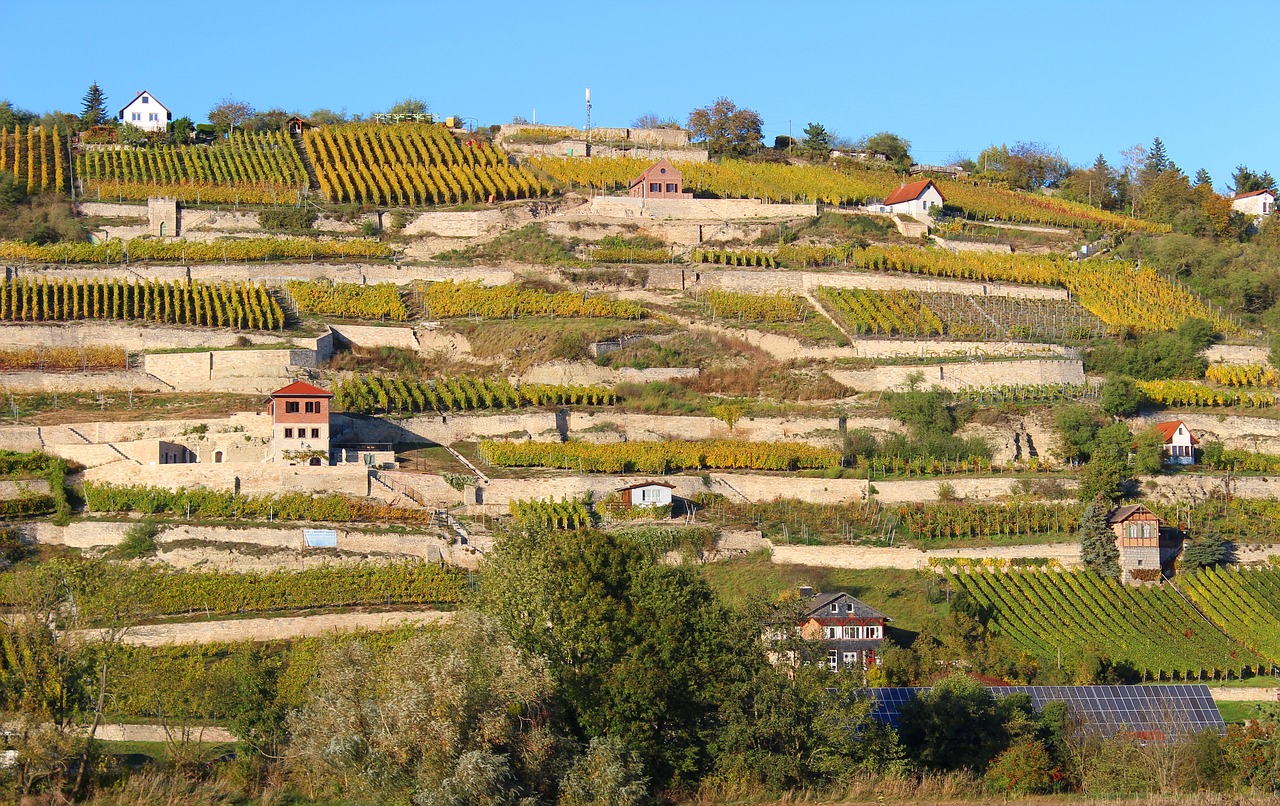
[1076, 613]
[879, 467]
[563, 514]
[37, 158]
[191, 302]
[412, 164]
[63, 359]
[371, 394]
[658, 457]
[1242, 375]
[349, 300]
[795, 521]
[249, 167]
[1028, 393]
[956, 521]
[203, 504]
[733, 257]
[881, 313]
[968, 316]
[222, 592]
[450, 299]
[1245, 603]
[756, 308]
[232, 249]
[1190, 393]
[774, 182]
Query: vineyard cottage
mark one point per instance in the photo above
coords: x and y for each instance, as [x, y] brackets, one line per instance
[1179, 443]
[300, 424]
[1137, 531]
[145, 112]
[1258, 203]
[915, 199]
[850, 632]
[647, 495]
[662, 180]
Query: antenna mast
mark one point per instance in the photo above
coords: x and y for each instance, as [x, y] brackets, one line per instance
[588, 109]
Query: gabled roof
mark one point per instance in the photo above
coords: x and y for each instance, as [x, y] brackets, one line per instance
[1122, 514]
[660, 163]
[911, 191]
[821, 604]
[1167, 430]
[638, 485]
[1253, 193]
[139, 95]
[301, 389]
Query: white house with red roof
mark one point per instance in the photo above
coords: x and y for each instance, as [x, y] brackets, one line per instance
[1179, 443]
[915, 199]
[1257, 203]
[145, 112]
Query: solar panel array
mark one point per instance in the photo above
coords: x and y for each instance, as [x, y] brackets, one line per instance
[1147, 711]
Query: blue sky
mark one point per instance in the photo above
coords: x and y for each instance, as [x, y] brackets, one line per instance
[1085, 77]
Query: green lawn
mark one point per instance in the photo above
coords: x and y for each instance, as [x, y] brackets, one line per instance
[1238, 711]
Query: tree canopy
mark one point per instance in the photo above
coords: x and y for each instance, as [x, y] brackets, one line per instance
[726, 129]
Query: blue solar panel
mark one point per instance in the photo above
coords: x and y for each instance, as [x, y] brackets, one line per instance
[1148, 711]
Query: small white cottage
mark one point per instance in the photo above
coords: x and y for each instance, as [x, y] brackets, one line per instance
[647, 494]
[146, 113]
[915, 199]
[1258, 203]
[1179, 443]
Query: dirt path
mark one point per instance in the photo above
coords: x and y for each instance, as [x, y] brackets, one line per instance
[158, 733]
[275, 629]
[1224, 694]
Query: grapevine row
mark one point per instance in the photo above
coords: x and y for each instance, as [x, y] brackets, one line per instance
[373, 393]
[380, 301]
[190, 302]
[37, 157]
[233, 249]
[659, 457]
[452, 299]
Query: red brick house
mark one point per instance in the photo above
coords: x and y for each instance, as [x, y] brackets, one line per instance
[300, 424]
[1137, 531]
[662, 180]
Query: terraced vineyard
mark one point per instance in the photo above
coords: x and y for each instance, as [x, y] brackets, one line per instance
[967, 316]
[379, 394]
[1191, 393]
[1151, 627]
[947, 521]
[37, 157]
[239, 305]
[1243, 602]
[882, 313]
[451, 299]
[659, 457]
[170, 251]
[794, 183]
[1242, 375]
[743, 307]
[412, 164]
[251, 167]
[379, 301]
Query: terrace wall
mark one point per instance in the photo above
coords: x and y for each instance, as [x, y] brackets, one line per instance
[959, 375]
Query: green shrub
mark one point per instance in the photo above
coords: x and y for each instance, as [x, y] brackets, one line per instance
[139, 541]
[287, 219]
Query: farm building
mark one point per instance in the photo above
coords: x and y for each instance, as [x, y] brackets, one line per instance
[1137, 531]
[300, 424]
[647, 494]
[145, 112]
[915, 199]
[662, 180]
[851, 631]
[1179, 443]
[1257, 203]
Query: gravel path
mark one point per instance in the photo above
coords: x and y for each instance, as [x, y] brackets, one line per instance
[275, 629]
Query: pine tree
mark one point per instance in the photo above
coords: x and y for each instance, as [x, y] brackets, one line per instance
[1157, 159]
[95, 107]
[1203, 178]
[1205, 551]
[1097, 542]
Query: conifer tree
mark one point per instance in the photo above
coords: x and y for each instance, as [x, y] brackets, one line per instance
[1097, 542]
[1203, 178]
[1157, 159]
[94, 112]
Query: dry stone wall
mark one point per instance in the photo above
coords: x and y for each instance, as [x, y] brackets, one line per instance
[132, 337]
[768, 281]
[868, 557]
[960, 375]
[263, 479]
[714, 210]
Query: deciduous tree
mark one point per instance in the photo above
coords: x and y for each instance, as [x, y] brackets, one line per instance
[726, 129]
[228, 114]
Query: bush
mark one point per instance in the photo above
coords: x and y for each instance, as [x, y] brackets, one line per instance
[287, 219]
[139, 541]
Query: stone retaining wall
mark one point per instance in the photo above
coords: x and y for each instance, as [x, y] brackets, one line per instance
[697, 209]
[770, 280]
[868, 557]
[264, 479]
[960, 375]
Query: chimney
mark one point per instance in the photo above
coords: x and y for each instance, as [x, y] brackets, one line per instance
[806, 592]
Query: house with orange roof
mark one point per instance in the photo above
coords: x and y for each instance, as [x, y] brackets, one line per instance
[1179, 443]
[915, 199]
[1257, 203]
[300, 424]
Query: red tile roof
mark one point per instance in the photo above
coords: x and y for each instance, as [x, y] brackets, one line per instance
[1253, 193]
[301, 389]
[911, 192]
[1167, 430]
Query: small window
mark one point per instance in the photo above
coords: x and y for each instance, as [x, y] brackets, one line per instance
[833, 659]
[146, 100]
[671, 188]
[137, 116]
[1139, 563]
[288, 433]
[315, 433]
[655, 187]
[850, 658]
[664, 170]
[835, 608]
[291, 407]
[848, 607]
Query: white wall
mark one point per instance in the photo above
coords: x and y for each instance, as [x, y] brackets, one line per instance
[144, 112]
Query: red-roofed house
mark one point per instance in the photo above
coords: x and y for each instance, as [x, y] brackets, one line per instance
[915, 199]
[662, 180]
[300, 424]
[1257, 203]
[1179, 443]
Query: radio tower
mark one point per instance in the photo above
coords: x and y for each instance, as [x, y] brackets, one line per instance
[588, 109]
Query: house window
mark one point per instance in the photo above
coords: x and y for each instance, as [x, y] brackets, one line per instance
[852, 632]
[315, 433]
[1139, 563]
[835, 608]
[833, 660]
[849, 607]
[850, 658]
[146, 100]
[671, 188]
[831, 632]
[288, 433]
[313, 407]
[136, 116]
[153, 116]
[291, 407]
[655, 187]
